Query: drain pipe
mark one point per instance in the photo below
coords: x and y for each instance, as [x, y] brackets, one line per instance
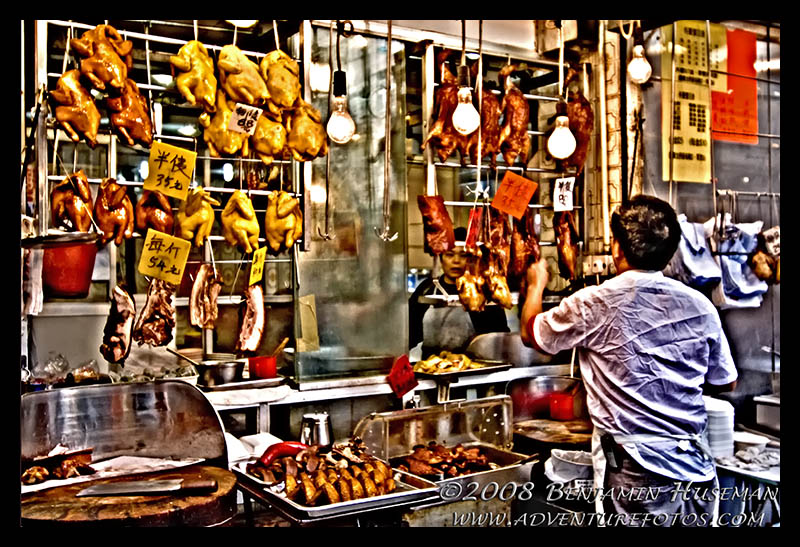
[603, 137]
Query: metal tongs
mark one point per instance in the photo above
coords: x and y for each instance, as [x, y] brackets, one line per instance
[384, 234]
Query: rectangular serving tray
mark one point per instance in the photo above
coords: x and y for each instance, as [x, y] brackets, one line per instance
[245, 384]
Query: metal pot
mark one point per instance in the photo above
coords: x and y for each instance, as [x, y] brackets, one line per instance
[531, 396]
[214, 373]
[316, 429]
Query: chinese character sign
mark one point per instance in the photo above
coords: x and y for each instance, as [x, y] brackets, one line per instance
[171, 170]
[257, 266]
[562, 194]
[734, 109]
[164, 256]
[244, 118]
[514, 194]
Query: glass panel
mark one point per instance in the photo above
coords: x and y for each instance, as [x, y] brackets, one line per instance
[357, 279]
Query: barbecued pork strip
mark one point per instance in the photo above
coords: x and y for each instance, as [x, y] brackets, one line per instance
[119, 326]
[155, 323]
[253, 321]
[437, 225]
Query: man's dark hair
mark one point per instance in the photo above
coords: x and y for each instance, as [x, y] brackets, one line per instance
[648, 232]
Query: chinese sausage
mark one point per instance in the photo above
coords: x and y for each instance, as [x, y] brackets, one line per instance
[76, 111]
[239, 223]
[70, 203]
[106, 56]
[196, 216]
[196, 82]
[113, 212]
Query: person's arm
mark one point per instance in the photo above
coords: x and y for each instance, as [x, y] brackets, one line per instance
[711, 389]
[536, 280]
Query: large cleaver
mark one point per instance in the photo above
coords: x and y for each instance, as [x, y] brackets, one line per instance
[151, 488]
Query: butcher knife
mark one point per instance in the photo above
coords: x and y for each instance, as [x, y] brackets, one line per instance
[151, 488]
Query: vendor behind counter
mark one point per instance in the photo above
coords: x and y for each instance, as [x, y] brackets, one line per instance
[449, 328]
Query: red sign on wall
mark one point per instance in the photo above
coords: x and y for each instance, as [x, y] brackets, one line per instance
[737, 110]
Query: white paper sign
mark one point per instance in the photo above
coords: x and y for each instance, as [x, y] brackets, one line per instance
[244, 118]
[562, 194]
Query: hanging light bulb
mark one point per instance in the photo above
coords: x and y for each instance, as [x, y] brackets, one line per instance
[465, 117]
[561, 143]
[341, 126]
[638, 68]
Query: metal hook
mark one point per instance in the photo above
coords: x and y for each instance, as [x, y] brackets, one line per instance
[384, 234]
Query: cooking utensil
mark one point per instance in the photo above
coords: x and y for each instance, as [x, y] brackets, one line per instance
[280, 347]
[214, 373]
[150, 488]
[387, 200]
[315, 429]
[177, 354]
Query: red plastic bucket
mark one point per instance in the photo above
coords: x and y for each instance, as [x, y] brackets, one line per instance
[67, 269]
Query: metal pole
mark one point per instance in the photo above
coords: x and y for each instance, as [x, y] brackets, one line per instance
[672, 113]
[41, 129]
[710, 133]
[603, 136]
[428, 76]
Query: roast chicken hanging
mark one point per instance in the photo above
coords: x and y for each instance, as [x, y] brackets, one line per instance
[239, 223]
[240, 78]
[71, 203]
[218, 137]
[106, 56]
[282, 76]
[283, 222]
[130, 115]
[153, 210]
[76, 110]
[196, 216]
[113, 212]
[514, 141]
[306, 135]
[196, 82]
[269, 139]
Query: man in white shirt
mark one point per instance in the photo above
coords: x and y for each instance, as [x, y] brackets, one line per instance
[648, 346]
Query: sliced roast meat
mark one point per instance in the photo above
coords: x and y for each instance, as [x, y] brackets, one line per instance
[155, 323]
[203, 302]
[437, 225]
[119, 326]
[253, 321]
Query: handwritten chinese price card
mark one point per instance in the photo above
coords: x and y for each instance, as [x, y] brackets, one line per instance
[164, 256]
[562, 194]
[171, 170]
[257, 266]
[514, 194]
[244, 118]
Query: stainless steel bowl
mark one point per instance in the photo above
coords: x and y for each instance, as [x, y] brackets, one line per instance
[214, 373]
[531, 396]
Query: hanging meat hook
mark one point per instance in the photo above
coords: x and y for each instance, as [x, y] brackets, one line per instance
[384, 235]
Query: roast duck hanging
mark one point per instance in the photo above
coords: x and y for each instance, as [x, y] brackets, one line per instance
[195, 216]
[113, 212]
[196, 81]
[70, 203]
[581, 123]
[76, 110]
[514, 142]
[130, 115]
[106, 57]
[567, 243]
[443, 135]
[153, 210]
[239, 223]
[525, 249]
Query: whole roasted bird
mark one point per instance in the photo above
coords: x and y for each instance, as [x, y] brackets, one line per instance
[196, 82]
[196, 216]
[436, 224]
[499, 238]
[525, 248]
[306, 138]
[514, 141]
[471, 290]
[240, 77]
[490, 131]
[269, 139]
[130, 115]
[113, 212]
[106, 55]
[566, 242]
[282, 75]
[118, 332]
[239, 223]
[203, 310]
[283, 221]
[494, 274]
[218, 137]
[77, 112]
[443, 134]
[581, 123]
[155, 323]
[70, 203]
[253, 320]
[153, 210]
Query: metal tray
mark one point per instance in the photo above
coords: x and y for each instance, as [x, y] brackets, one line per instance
[410, 490]
[488, 368]
[245, 384]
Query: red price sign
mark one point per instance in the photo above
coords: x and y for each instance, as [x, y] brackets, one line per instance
[401, 378]
[514, 195]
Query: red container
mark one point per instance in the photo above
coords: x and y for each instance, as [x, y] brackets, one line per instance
[562, 406]
[67, 269]
[263, 366]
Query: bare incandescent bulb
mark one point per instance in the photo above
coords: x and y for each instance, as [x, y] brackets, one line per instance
[639, 69]
[341, 126]
[465, 117]
[561, 143]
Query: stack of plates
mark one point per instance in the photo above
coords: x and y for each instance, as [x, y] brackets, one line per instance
[719, 433]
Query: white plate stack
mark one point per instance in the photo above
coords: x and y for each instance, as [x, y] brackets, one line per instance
[720, 426]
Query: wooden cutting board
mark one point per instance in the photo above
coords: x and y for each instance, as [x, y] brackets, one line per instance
[61, 506]
[552, 431]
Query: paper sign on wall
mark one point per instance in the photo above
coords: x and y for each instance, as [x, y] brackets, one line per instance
[514, 194]
[164, 256]
[562, 194]
[244, 118]
[734, 110]
[170, 169]
[257, 265]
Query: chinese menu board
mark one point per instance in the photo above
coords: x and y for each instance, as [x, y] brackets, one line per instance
[734, 111]
[514, 194]
[164, 256]
[690, 117]
[170, 170]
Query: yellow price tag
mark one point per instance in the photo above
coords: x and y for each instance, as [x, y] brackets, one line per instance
[170, 170]
[164, 256]
[257, 266]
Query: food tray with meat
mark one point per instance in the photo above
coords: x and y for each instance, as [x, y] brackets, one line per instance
[453, 365]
